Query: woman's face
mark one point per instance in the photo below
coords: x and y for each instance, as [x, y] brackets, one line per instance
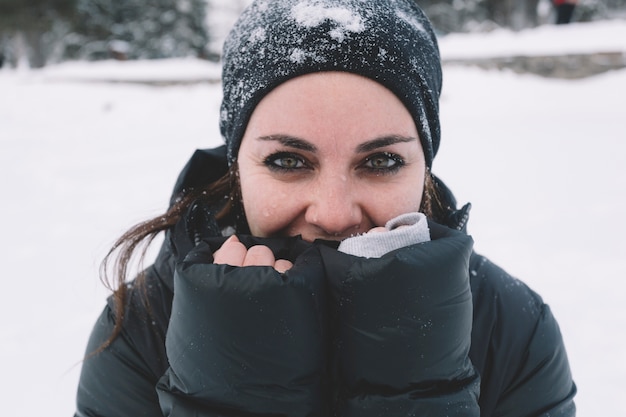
[329, 155]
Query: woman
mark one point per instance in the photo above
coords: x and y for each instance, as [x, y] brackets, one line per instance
[564, 10]
[313, 266]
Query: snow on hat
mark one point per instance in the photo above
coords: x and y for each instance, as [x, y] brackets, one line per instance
[388, 41]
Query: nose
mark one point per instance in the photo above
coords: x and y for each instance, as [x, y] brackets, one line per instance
[334, 209]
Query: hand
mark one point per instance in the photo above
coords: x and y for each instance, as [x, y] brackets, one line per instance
[234, 253]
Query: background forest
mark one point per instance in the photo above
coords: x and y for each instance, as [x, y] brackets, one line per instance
[38, 32]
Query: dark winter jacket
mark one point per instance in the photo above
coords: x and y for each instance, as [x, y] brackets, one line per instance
[431, 329]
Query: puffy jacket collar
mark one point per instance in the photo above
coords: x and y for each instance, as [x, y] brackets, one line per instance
[204, 167]
[455, 218]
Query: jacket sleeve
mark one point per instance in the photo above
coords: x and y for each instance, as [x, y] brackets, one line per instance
[543, 383]
[403, 330]
[519, 348]
[117, 381]
[245, 341]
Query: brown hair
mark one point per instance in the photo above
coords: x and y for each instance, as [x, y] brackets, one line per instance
[134, 243]
[225, 193]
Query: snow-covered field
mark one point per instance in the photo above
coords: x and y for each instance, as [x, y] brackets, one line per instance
[542, 161]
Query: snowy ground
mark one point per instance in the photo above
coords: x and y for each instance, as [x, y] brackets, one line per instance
[542, 161]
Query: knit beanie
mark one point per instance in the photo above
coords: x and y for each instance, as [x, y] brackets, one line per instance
[388, 41]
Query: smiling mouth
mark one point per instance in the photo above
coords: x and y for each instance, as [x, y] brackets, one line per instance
[327, 237]
[309, 235]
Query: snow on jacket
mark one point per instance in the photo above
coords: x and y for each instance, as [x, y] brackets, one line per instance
[431, 329]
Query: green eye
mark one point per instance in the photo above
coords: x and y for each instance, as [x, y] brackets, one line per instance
[383, 161]
[285, 161]
[288, 162]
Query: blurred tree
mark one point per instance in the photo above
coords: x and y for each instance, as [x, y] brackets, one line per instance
[17, 13]
[221, 17]
[24, 25]
[514, 14]
[479, 15]
[469, 15]
[132, 29]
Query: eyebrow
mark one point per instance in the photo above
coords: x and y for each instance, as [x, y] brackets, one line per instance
[381, 142]
[291, 142]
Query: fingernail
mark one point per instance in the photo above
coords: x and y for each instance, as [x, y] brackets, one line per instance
[232, 238]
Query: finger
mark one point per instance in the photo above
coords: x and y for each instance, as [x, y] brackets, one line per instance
[232, 252]
[282, 265]
[377, 230]
[259, 255]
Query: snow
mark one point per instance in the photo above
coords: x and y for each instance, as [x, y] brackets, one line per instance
[411, 20]
[603, 36]
[310, 15]
[542, 162]
[181, 69]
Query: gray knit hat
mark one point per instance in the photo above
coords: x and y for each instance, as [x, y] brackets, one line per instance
[389, 41]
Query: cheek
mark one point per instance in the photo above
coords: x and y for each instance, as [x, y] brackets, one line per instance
[385, 205]
[396, 195]
[269, 205]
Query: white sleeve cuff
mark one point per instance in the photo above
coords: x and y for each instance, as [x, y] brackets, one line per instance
[405, 230]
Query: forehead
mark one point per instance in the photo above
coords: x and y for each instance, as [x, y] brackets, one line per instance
[336, 105]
